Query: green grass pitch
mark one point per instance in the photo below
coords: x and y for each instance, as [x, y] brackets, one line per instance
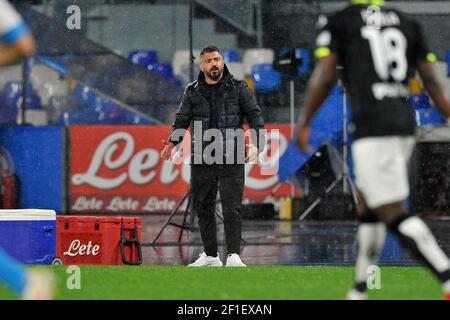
[258, 282]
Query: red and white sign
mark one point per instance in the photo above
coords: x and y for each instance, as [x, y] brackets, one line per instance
[118, 169]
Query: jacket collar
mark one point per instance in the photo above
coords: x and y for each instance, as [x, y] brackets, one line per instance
[227, 77]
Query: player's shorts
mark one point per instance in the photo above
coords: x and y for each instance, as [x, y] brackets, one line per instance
[381, 168]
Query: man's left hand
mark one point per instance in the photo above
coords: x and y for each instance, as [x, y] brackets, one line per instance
[252, 152]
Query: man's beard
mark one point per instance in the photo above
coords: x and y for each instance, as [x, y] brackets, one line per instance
[215, 74]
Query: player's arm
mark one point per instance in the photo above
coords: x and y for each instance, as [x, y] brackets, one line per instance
[16, 41]
[433, 87]
[322, 82]
[13, 53]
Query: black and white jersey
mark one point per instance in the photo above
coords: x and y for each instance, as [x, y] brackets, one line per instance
[379, 49]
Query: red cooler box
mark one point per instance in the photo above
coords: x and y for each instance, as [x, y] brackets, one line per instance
[99, 240]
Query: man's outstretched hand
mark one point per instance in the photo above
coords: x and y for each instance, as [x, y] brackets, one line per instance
[252, 152]
[166, 154]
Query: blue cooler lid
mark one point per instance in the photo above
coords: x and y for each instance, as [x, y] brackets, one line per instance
[27, 214]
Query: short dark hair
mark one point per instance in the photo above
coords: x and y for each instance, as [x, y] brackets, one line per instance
[209, 49]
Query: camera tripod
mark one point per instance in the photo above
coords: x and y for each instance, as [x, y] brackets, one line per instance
[347, 183]
[184, 225]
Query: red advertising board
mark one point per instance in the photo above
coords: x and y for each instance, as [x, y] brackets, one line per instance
[118, 169]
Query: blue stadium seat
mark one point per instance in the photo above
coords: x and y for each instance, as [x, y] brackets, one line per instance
[108, 111]
[392, 250]
[111, 118]
[176, 82]
[419, 101]
[32, 102]
[58, 105]
[230, 55]
[78, 117]
[164, 69]
[105, 105]
[303, 54]
[135, 119]
[305, 67]
[12, 100]
[429, 117]
[13, 89]
[84, 96]
[266, 78]
[7, 113]
[89, 116]
[447, 59]
[143, 57]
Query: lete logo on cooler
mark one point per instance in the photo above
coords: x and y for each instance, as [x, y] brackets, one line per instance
[78, 249]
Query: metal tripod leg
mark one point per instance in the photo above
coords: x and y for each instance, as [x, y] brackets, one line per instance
[319, 199]
[353, 192]
[183, 226]
[169, 220]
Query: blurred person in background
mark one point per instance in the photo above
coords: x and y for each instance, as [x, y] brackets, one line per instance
[16, 44]
[379, 49]
[217, 101]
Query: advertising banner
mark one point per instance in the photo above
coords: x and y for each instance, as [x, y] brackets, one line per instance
[32, 170]
[118, 169]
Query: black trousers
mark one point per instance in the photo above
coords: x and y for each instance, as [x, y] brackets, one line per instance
[206, 180]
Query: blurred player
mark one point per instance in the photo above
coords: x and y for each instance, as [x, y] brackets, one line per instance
[17, 43]
[379, 50]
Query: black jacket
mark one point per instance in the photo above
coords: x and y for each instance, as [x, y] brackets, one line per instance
[234, 103]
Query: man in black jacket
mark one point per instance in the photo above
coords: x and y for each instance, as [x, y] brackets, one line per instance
[216, 104]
